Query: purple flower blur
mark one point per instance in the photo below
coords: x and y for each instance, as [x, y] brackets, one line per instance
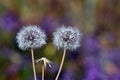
[49, 23]
[9, 21]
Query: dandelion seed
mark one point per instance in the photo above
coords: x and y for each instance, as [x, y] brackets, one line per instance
[45, 62]
[30, 36]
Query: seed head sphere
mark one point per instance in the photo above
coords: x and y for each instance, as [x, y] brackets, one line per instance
[30, 36]
[67, 37]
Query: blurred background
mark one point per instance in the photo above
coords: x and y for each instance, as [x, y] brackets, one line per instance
[98, 58]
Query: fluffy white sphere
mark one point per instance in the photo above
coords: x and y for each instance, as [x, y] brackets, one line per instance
[67, 37]
[30, 36]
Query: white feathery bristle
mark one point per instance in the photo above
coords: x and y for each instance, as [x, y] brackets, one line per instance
[67, 37]
[30, 36]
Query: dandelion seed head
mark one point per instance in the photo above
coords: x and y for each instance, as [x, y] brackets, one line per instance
[30, 36]
[67, 37]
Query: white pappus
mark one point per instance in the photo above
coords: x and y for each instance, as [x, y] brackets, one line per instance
[30, 36]
[67, 37]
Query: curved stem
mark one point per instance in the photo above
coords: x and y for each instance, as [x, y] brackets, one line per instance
[61, 65]
[43, 68]
[33, 64]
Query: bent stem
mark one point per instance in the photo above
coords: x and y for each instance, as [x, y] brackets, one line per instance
[33, 64]
[61, 65]
[43, 68]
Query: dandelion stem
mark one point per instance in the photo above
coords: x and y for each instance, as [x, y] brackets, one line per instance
[43, 68]
[33, 64]
[61, 65]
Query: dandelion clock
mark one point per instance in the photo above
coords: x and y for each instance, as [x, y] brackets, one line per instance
[66, 38]
[31, 37]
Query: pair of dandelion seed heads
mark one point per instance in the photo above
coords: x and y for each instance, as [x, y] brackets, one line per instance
[33, 37]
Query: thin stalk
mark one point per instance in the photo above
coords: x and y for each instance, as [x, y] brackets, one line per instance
[33, 64]
[43, 72]
[61, 65]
